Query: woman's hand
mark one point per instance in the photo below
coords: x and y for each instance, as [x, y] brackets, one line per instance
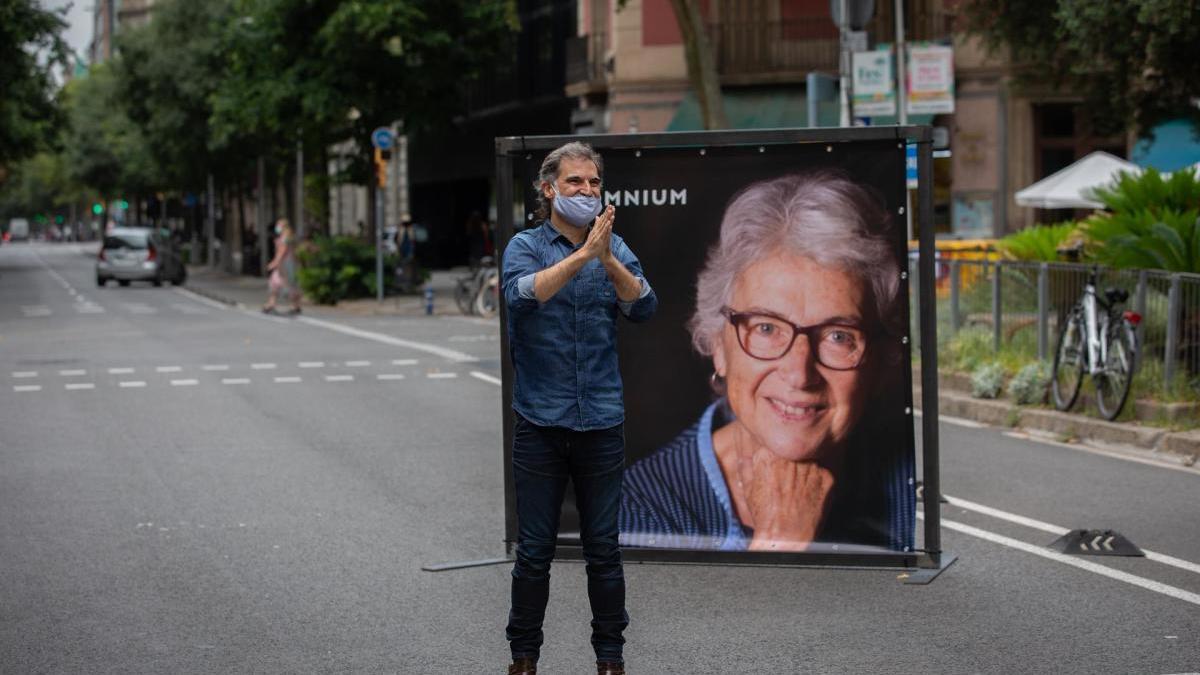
[787, 500]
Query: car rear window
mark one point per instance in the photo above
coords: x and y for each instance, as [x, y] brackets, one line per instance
[113, 241]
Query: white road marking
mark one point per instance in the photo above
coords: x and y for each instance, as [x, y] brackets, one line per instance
[200, 298]
[21, 374]
[168, 369]
[74, 386]
[35, 310]
[339, 378]
[131, 384]
[404, 362]
[358, 364]
[441, 376]
[312, 364]
[389, 376]
[486, 378]
[235, 380]
[184, 383]
[72, 373]
[286, 380]
[1161, 463]
[214, 366]
[473, 338]
[957, 421]
[89, 308]
[120, 371]
[262, 366]
[139, 308]
[1059, 530]
[27, 387]
[1050, 554]
[436, 350]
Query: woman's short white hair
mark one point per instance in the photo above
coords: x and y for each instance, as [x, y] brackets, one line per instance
[821, 215]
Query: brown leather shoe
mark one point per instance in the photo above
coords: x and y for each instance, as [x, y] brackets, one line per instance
[610, 668]
[523, 667]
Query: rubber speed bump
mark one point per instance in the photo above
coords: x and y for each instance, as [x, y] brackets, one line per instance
[1095, 542]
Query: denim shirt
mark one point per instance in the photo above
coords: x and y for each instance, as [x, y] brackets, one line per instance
[564, 351]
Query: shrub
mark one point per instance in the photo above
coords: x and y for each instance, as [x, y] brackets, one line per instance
[1030, 383]
[1152, 222]
[340, 268]
[1039, 243]
[987, 380]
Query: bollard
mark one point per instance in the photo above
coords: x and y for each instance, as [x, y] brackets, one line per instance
[429, 299]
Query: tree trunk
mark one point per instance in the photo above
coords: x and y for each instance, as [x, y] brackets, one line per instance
[701, 64]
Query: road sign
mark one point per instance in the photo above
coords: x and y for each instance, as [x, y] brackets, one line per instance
[382, 138]
[1095, 542]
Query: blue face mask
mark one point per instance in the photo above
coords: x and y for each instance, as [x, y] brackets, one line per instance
[578, 210]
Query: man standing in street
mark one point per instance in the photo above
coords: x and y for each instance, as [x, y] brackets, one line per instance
[565, 284]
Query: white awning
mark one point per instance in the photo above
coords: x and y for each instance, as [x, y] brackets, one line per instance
[1070, 188]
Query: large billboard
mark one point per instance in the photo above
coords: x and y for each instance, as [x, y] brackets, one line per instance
[768, 403]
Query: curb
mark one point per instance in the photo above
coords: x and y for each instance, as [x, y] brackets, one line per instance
[1183, 446]
[198, 290]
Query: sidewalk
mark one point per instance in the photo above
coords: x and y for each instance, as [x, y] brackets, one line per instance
[251, 292]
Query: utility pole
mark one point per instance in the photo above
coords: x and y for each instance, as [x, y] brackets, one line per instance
[844, 63]
[902, 100]
[382, 138]
[261, 210]
[210, 223]
[300, 190]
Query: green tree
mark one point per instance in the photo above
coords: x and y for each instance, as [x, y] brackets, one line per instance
[30, 47]
[1151, 222]
[1136, 63]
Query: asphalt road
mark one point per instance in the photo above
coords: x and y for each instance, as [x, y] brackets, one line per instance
[187, 487]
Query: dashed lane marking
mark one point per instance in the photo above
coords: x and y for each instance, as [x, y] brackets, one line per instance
[25, 374]
[235, 380]
[27, 387]
[262, 366]
[214, 367]
[168, 369]
[486, 378]
[287, 380]
[184, 383]
[131, 384]
[389, 376]
[120, 371]
[404, 362]
[339, 378]
[441, 376]
[312, 364]
[358, 364]
[72, 373]
[35, 310]
[76, 386]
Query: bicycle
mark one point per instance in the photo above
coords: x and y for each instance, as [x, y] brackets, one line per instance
[1096, 339]
[479, 293]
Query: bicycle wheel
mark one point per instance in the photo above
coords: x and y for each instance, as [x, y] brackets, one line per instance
[487, 301]
[464, 295]
[1069, 358]
[1116, 378]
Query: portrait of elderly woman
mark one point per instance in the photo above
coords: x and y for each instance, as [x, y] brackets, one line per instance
[800, 311]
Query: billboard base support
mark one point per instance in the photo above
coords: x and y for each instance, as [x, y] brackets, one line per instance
[446, 566]
[924, 575]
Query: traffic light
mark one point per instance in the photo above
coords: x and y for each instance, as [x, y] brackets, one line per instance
[381, 164]
[58, 220]
[97, 208]
[123, 204]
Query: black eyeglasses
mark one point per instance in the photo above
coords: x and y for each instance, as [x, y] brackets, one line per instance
[767, 337]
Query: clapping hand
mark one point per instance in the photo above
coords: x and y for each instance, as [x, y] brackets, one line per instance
[598, 244]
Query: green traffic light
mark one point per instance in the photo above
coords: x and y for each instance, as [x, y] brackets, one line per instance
[58, 220]
[97, 208]
[123, 204]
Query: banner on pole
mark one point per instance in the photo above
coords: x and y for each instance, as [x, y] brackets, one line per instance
[874, 89]
[930, 79]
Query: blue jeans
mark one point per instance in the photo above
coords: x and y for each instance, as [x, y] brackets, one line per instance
[543, 459]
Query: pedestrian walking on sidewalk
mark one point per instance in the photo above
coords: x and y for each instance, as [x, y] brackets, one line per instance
[565, 283]
[283, 269]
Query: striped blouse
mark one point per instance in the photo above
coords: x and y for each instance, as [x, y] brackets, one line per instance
[677, 498]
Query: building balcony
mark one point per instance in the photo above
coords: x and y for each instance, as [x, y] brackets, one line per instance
[587, 65]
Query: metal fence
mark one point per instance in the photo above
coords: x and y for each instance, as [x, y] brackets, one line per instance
[1021, 305]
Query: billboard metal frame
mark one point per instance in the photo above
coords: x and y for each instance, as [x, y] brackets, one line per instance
[929, 560]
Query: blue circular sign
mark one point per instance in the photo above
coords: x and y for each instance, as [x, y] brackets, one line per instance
[382, 138]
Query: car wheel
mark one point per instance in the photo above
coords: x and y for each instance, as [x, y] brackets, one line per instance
[157, 281]
[101, 282]
[123, 282]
